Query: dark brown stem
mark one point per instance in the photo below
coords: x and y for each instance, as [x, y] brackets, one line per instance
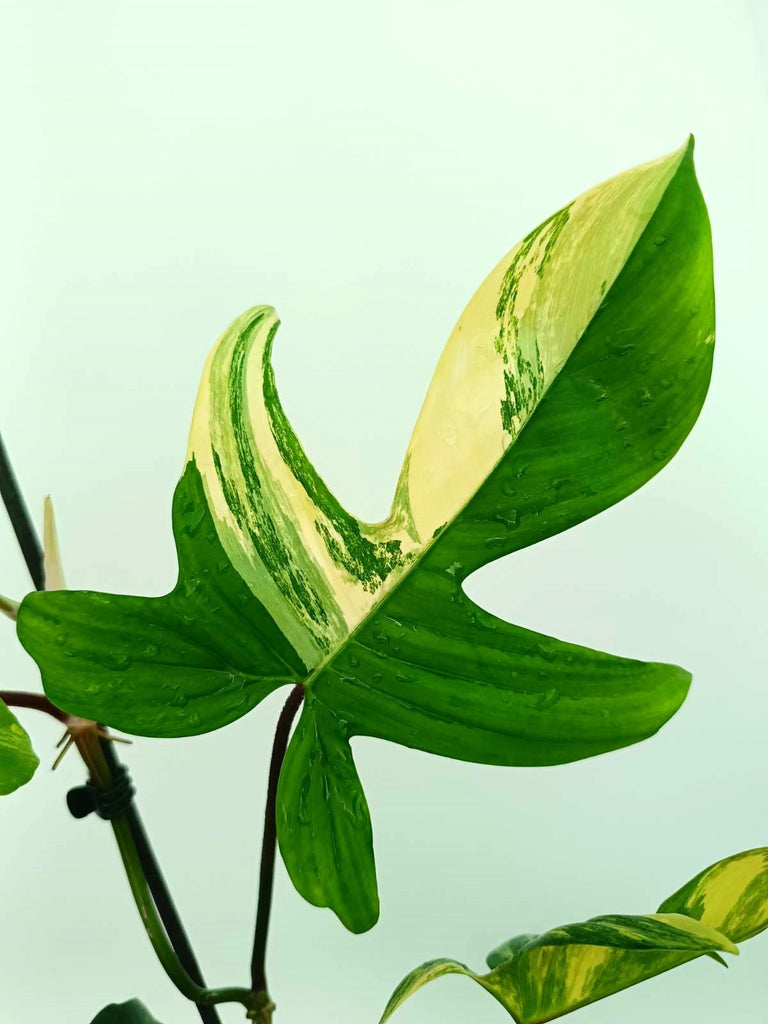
[37, 701]
[269, 842]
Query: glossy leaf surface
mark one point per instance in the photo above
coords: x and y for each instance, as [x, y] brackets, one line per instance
[18, 760]
[539, 978]
[573, 376]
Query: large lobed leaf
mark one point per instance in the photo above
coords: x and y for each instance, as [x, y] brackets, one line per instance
[573, 376]
[538, 978]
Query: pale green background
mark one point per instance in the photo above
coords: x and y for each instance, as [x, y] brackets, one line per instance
[167, 163]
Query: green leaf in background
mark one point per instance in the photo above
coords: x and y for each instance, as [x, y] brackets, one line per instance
[538, 978]
[132, 1012]
[18, 761]
[573, 375]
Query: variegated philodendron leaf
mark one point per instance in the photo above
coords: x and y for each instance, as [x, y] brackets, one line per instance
[18, 761]
[573, 376]
[538, 978]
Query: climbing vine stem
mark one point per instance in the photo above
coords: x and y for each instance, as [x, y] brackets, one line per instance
[144, 874]
[269, 842]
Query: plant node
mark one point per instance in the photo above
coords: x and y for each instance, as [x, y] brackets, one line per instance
[262, 1009]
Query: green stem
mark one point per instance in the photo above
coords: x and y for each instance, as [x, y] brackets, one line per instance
[150, 870]
[160, 894]
[156, 932]
[90, 749]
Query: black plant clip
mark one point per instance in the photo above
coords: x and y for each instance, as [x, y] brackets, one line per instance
[107, 803]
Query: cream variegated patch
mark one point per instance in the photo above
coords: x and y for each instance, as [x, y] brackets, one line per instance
[319, 569]
[524, 321]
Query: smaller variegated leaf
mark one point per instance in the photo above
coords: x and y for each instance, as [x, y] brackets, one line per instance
[18, 760]
[540, 978]
[569, 967]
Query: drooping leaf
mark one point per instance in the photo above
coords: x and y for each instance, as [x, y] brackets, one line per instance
[132, 1012]
[540, 978]
[18, 760]
[573, 376]
[569, 967]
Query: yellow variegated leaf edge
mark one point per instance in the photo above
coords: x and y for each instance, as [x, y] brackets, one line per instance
[544, 977]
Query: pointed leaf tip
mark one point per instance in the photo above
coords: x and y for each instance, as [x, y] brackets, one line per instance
[52, 567]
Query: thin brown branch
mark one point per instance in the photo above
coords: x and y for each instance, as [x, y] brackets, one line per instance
[36, 701]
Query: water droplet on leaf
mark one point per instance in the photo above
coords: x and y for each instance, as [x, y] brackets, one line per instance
[547, 699]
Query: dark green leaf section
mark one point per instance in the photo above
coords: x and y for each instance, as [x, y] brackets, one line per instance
[436, 672]
[178, 665]
[324, 826]
[538, 978]
[132, 1012]
[18, 760]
